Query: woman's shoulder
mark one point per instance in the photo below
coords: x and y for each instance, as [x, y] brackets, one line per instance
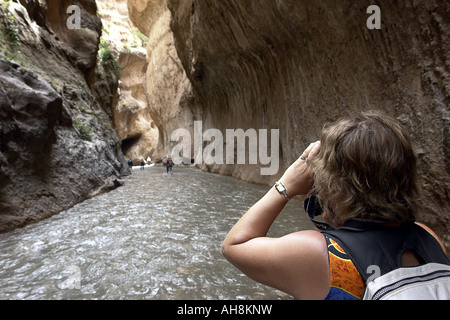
[313, 237]
[431, 232]
[308, 264]
[309, 243]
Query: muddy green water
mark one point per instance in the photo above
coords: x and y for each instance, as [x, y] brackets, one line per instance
[157, 237]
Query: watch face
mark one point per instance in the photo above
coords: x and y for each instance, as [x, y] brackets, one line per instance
[280, 187]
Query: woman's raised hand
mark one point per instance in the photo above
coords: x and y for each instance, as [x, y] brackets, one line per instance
[299, 177]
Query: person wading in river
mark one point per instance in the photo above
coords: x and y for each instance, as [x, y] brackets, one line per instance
[362, 169]
[169, 165]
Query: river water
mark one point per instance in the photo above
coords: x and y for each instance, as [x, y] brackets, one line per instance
[157, 237]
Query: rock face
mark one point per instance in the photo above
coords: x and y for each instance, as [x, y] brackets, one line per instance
[167, 89]
[295, 65]
[131, 116]
[288, 65]
[57, 143]
[132, 119]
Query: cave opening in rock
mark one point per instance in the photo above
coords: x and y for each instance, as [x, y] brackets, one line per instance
[129, 142]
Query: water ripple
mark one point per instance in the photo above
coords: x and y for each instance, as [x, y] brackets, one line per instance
[158, 237]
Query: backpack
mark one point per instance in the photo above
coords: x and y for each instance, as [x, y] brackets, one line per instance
[376, 251]
[377, 254]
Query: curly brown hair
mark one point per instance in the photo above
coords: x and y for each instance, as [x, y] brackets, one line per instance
[366, 169]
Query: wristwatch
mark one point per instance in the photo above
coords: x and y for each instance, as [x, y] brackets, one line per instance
[281, 189]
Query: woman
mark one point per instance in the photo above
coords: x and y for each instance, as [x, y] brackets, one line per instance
[362, 168]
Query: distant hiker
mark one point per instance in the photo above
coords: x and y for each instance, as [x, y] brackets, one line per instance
[142, 164]
[169, 165]
[130, 163]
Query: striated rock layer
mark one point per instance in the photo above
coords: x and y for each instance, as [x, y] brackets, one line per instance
[295, 65]
[57, 143]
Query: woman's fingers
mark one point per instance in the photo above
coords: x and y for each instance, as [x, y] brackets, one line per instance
[311, 152]
[314, 151]
[307, 151]
[299, 177]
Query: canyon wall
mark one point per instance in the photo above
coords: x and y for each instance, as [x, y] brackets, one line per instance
[58, 146]
[296, 65]
[288, 65]
[167, 89]
[132, 119]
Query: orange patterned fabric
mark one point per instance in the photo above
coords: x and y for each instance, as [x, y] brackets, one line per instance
[344, 275]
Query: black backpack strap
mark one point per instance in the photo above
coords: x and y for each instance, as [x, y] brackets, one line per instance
[313, 210]
[364, 249]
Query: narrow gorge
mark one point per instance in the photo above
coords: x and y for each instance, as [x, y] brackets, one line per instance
[76, 103]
